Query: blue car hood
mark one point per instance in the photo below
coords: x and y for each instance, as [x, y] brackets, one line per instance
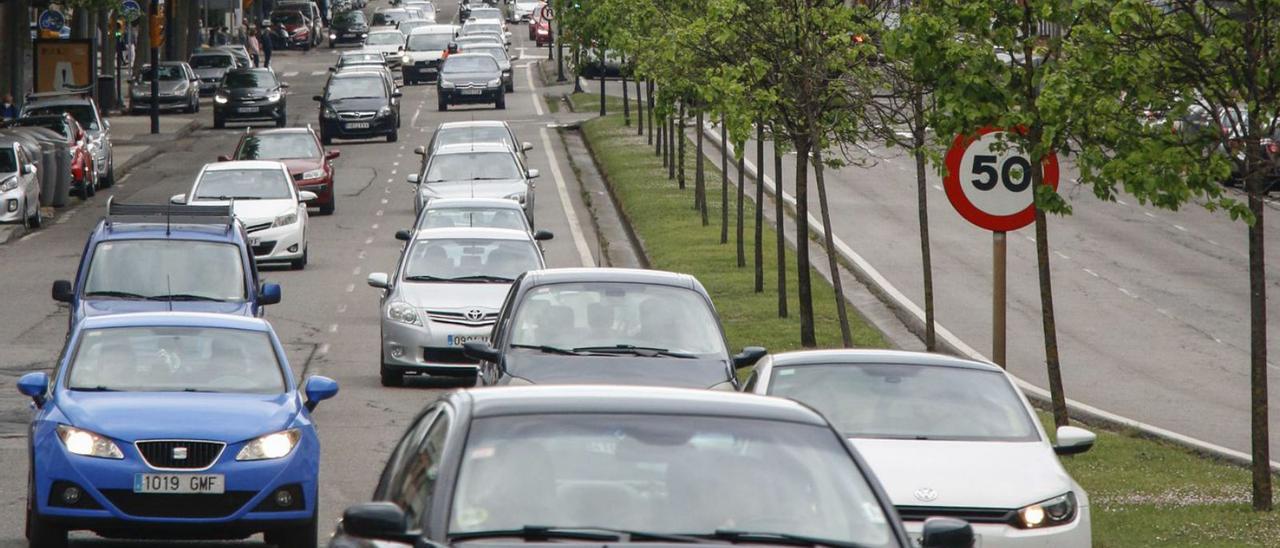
[132, 416]
[102, 307]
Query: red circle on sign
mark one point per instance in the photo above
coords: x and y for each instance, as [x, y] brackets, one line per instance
[971, 212]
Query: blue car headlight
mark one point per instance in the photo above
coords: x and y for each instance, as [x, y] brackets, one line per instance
[89, 444]
[271, 446]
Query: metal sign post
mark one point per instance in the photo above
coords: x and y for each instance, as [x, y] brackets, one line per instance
[999, 301]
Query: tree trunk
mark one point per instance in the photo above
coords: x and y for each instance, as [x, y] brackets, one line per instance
[649, 99]
[603, 77]
[639, 108]
[804, 285]
[660, 145]
[724, 182]
[626, 99]
[846, 336]
[779, 219]
[742, 186]
[670, 144]
[1258, 343]
[758, 247]
[1059, 402]
[103, 22]
[678, 134]
[699, 171]
[922, 203]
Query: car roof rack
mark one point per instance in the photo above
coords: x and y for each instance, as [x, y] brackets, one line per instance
[70, 92]
[218, 215]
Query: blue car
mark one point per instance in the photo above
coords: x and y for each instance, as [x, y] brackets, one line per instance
[173, 425]
[144, 257]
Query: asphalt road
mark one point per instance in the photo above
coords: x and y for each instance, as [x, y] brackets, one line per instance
[329, 316]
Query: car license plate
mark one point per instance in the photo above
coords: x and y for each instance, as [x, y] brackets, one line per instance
[204, 484]
[357, 125]
[471, 92]
[253, 242]
[459, 340]
[247, 109]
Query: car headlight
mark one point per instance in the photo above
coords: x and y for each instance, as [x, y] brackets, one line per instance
[273, 96]
[518, 196]
[364, 35]
[1059, 510]
[406, 59]
[384, 111]
[494, 83]
[403, 313]
[9, 184]
[220, 99]
[271, 446]
[313, 174]
[446, 84]
[328, 112]
[86, 443]
[286, 219]
[333, 37]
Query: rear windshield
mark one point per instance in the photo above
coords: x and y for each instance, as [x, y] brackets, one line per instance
[471, 64]
[211, 61]
[278, 146]
[429, 42]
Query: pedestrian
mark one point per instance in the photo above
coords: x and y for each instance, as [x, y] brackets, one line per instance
[253, 45]
[8, 109]
[265, 41]
[224, 35]
[201, 35]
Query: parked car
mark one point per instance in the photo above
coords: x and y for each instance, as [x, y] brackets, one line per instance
[84, 109]
[610, 465]
[424, 51]
[221, 445]
[264, 200]
[446, 292]
[609, 325]
[388, 42]
[947, 437]
[210, 66]
[143, 257]
[84, 174]
[479, 170]
[19, 185]
[299, 31]
[358, 105]
[178, 85]
[522, 11]
[250, 94]
[310, 165]
[348, 27]
[468, 78]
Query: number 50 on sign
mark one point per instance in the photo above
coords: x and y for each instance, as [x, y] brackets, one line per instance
[989, 181]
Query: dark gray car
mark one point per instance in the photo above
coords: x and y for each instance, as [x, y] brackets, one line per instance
[467, 78]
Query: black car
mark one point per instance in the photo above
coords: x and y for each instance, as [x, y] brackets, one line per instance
[358, 105]
[612, 326]
[249, 94]
[606, 465]
[470, 78]
[348, 27]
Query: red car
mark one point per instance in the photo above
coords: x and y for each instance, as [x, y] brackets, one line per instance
[540, 29]
[84, 176]
[299, 32]
[310, 165]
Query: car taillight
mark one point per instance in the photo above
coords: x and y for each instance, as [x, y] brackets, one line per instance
[1273, 147]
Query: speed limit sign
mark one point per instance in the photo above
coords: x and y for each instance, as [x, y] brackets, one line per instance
[989, 184]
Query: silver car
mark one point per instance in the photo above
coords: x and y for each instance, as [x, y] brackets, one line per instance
[19, 185]
[210, 66]
[85, 110]
[472, 132]
[178, 86]
[446, 291]
[479, 170]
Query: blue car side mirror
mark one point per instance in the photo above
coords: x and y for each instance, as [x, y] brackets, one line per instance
[270, 294]
[319, 389]
[34, 385]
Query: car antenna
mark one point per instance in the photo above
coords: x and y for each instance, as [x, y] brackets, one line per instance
[168, 282]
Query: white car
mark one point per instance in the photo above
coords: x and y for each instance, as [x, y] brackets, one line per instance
[387, 41]
[427, 8]
[19, 185]
[264, 200]
[946, 437]
[522, 11]
[423, 52]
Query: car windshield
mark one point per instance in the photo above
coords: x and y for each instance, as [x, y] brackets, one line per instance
[243, 184]
[278, 146]
[167, 72]
[349, 18]
[488, 217]
[8, 161]
[160, 269]
[691, 475]
[176, 359]
[429, 41]
[385, 39]
[349, 88]
[486, 15]
[55, 123]
[287, 18]
[470, 259]
[470, 63]
[249, 79]
[83, 114]
[613, 314]
[473, 166]
[475, 134]
[211, 61]
[909, 401]
[407, 27]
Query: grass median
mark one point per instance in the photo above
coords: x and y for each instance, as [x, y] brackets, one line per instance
[1143, 492]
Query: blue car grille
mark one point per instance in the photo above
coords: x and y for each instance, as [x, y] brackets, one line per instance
[198, 454]
[169, 505]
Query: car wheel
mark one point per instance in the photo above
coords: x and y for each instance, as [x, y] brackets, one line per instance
[391, 377]
[328, 208]
[280, 122]
[393, 136]
[298, 536]
[110, 179]
[218, 122]
[442, 105]
[301, 262]
[501, 103]
[511, 86]
[41, 534]
[36, 220]
[306, 46]
[89, 189]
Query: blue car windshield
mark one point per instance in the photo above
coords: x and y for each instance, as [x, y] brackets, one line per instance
[176, 359]
[166, 270]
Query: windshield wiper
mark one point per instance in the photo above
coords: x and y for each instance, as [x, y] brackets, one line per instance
[228, 198]
[645, 351]
[736, 536]
[120, 294]
[597, 534]
[490, 178]
[185, 297]
[547, 349]
[425, 278]
[98, 388]
[482, 278]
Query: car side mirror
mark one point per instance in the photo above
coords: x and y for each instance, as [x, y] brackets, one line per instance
[333, 69]
[413, 178]
[306, 196]
[404, 235]
[533, 173]
[946, 533]
[35, 386]
[526, 146]
[224, 158]
[397, 93]
[178, 199]
[1073, 441]
[420, 150]
[284, 85]
[106, 125]
[28, 169]
[318, 389]
[62, 291]
[481, 351]
[543, 235]
[378, 521]
[332, 154]
[317, 98]
[378, 280]
[749, 356]
[269, 294]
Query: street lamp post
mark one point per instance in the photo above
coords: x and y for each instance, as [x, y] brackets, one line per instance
[559, 51]
[155, 64]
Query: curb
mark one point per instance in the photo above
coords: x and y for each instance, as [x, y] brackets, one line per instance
[912, 315]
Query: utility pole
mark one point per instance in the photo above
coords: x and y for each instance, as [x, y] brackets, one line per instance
[559, 50]
[157, 35]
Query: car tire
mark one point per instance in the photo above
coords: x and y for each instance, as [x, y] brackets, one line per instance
[393, 136]
[41, 534]
[442, 105]
[501, 103]
[301, 262]
[218, 122]
[391, 378]
[328, 208]
[298, 536]
[511, 86]
[280, 122]
[110, 179]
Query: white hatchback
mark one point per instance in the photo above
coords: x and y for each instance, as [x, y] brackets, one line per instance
[19, 185]
[946, 437]
[264, 200]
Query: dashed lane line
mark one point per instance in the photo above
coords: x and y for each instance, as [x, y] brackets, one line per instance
[290, 74]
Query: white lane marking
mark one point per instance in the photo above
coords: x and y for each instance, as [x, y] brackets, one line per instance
[937, 187]
[1091, 273]
[537, 101]
[399, 155]
[393, 172]
[289, 74]
[1217, 340]
[342, 308]
[414, 121]
[1148, 213]
[1059, 253]
[333, 328]
[1164, 312]
[351, 287]
[1030, 239]
[1180, 227]
[1122, 202]
[1127, 292]
[579, 241]
[123, 179]
[356, 271]
[374, 227]
[395, 164]
[319, 72]
[368, 240]
[902, 134]
[384, 200]
[360, 255]
[1213, 242]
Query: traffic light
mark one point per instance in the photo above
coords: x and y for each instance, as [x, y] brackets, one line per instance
[157, 30]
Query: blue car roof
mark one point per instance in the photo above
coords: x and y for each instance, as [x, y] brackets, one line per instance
[176, 319]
